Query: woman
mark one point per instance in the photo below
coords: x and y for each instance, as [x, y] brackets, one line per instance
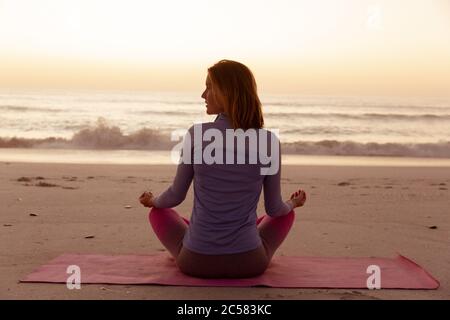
[224, 238]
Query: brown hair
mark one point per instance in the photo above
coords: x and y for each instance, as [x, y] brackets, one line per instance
[238, 93]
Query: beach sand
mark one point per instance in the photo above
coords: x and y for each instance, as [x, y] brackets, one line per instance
[350, 211]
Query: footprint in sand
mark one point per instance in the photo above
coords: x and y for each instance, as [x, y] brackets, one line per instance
[70, 178]
[45, 184]
[24, 179]
[39, 184]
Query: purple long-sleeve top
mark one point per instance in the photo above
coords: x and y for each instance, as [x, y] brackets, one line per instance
[226, 196]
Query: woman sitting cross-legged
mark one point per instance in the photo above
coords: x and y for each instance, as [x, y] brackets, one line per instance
[224, 237]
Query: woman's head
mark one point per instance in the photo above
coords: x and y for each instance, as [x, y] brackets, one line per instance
[231, 88]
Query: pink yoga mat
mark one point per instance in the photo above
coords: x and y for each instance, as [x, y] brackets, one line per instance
[284, 272]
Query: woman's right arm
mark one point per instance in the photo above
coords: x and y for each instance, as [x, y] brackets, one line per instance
[273, 202]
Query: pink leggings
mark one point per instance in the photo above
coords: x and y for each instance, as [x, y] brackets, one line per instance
[170, 228]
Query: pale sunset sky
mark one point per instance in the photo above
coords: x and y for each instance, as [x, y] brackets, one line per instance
[376, 47]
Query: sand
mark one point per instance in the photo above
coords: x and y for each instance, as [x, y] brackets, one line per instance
[351, 211]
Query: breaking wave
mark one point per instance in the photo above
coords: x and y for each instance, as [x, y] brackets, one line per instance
[101, 137]
[105, 137]
[333, 147]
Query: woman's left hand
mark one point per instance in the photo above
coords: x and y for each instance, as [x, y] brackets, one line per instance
[146, 199]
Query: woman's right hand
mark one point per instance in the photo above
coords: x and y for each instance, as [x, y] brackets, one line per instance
[298, 198]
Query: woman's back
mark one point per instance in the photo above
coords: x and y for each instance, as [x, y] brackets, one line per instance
[226, 190]
[230, 161]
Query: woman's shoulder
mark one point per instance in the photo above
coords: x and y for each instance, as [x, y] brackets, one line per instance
[271, 134]
[201, 126]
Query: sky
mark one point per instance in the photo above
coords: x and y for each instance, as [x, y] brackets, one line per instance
[374, 47]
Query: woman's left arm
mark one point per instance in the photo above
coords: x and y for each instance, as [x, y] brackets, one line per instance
[176, 193]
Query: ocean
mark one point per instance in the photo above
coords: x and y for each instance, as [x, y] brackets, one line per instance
[136, 127]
